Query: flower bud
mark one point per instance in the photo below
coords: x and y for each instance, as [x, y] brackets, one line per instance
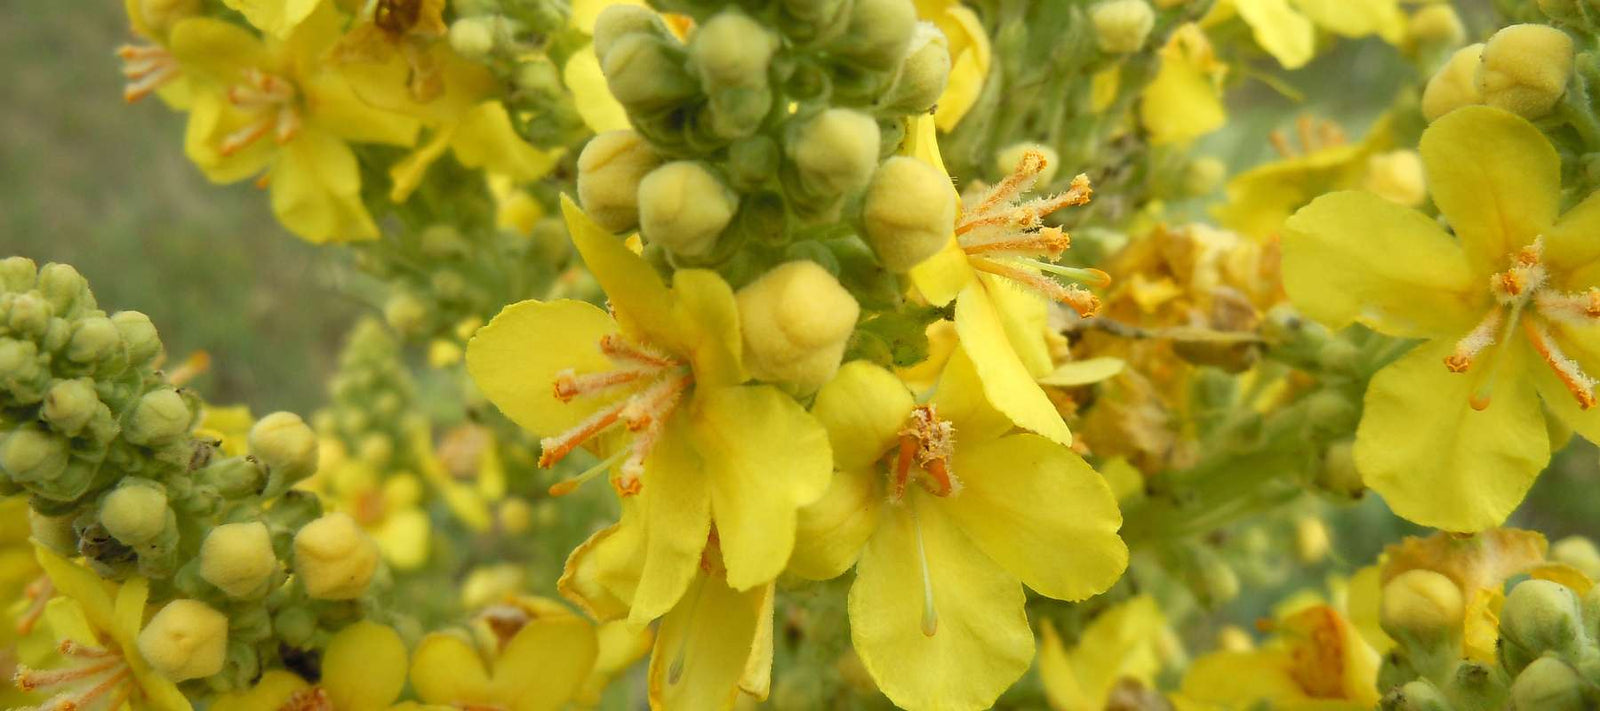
[405, 313]
[1525, 69]
[161, 15]
[70, 405]
[836, 151]
[1548, 684]
[1421, 606]
[1436, 25]
[31, 453]
[17, 274]
[238, 558]
[334, 558]
[752, 161]
[286, 445]
[473, 37]
[924, 73]
[1455, 84]
[1397, 176]
[731, 50]
[646, 73]
[138, 335]
[93, 339]
[609, 172]
[64, 288]
[909, 213]
[1122, 26]
[135, 512]
[53, 532]
[515, 515]
[29, 315]
[1418, 695]
[618, 20]
[796, 320]
[1562, 10]
[1540, 616]
[185, 640]
[878, 33]
[683, 207]
[1578, 552]
[1311, 541]
[161, 416]
[1201, 176]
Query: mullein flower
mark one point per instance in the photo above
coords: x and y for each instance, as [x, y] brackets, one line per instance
[945, 517]
[150, 67]
[658, 390]
[1121, 644]
[1287, 29]
[388, 507]
[276, 107]
[997, 266]
[1453, 433]
[363, 669]
[1184, 100]
[1317, 661]
[539, 659]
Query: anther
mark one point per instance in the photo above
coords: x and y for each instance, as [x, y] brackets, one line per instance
[569, 384]
[558, 447]
[617, 348]
[1468, 348]
[1567, 370]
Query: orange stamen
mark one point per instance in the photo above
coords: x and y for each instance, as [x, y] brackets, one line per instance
[1571, 375]
[558, 447]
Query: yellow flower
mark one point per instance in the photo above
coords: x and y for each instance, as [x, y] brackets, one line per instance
[277, 107]
[990, 268]
[388, 506]
[229, 426]
[539, 660]
[276, 18]
[94, 625]
[1317, 662]
[1479, 565]
[150, 67]
[1184, 100]
[481, 137]
[363, 669]
[1121, 643]
[1286, 29]
[1454, 433]
[658, 390]
[945, 516]
[969, 58]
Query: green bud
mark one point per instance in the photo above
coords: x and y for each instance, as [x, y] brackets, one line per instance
[139, 335]
[405, 313]
[94, 339]
[70, 405]
[160, 417]
[1421, 607]
[752, 162]
[550, 239]
[620, 20]
[1122, 26]
[1330, 411]
[810, 21]
[1548, 684]
[64, 288]
[295, 626]
[17, 274]
[923, 75]
[1203, 175]
[909, 212]
[1418, 695]
[1338, 474]
[835, 152]
[287, 447]
[610, 169]
[29, 314]
[234, 477]
[646, 73]
[683, 207]
[1578, 552]
[1539, 616]
[32, 454]
[135, 512]
[539, 76]
[731, 50]
[474, 37]
[878, 33]
[238, 558]
[54, 532]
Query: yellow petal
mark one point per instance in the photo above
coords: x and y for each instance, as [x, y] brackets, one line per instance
[487, 140]
[363, 668]
[1038, 510]
[546, 663]
[1025, 316]
[1262, 198]
[591, 96]
[708, 322]
[1570, 244]
[446, 671]
[1496, 179]
[1084, 372]
[1121, 643]
[215, 51]
[940, 277]
[765, 457]
[961, 91]
[706, 647]
[274, 17]
[80, 584]
[403, 538]
[961, 400]
[1215, 679]
[316, 190]
[620, 647]
[514, 360]
[676, 502]
[1355, 257]
[1364, 598]
[211, 119]
[337, 109]
[383, 81]
[1438, 462]
[602, 572]
[1357, 18]
[269, 694]
[1284, 33]
[1006, 380]
[980, 643]
[1061, 684]
[863, 409]
[831, 532]
[637, 293]
[1182, 102]
[1480, 634]
[128, 611]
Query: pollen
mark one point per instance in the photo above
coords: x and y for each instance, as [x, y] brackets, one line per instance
[926, 446]
[94, 678]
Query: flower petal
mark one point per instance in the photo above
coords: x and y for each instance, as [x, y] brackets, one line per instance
[708, 317]
[1038, 510]
[215, 51]
[961, 400]
[1121, 643]
[602, 573]
[591, 96]
[274, 17]
[1571, 243]
[363, 668]
[1438, 462]
[639, 296]
[316, 190]
[80, 584]
[447, 671]
[487, 140]
[1355, 257]
[706, 647]
[1006, 380]
[676, 503]
[980, 643]
[1496, 179]
[831, 532]
[546, 663]
[1357, 18]
[1284, 33]
[863, 409]
[765, 457]
[515, 358]
[1026, 318]
[269, 694]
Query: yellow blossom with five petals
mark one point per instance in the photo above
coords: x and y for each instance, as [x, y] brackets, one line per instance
[363, 669]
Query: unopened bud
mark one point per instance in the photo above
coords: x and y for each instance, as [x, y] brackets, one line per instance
[334, 559]
[878, 33]
[1539, 616]
[29, 315]
[836, 151]
[286, 445]
[1421, 606]
[515, 515]
[1416, 695]
[1122, 26]
[683, 207]
[1203, 175]
[185, 640]
[621, 19]
[238, 558]
[796, 320]
[609, 172]
[1525, 69]
[1436, 25]
[1397, 176]
[93, 339]
[1548, 684]
[1578, 552]
[1311, 541]
[909, 213]
[161, 416]
[138, 335]
[135, 512]
[473, 37]
[32, 454]
[17, 274]
[1455, 84]
[645, 72]
[731, 50]
[405, 313]
[70, 404]
[64, 288]
[924, 73]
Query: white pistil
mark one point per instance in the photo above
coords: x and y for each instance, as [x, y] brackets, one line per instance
[930, 613]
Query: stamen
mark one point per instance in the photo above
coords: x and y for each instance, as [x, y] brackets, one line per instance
[903, 460]
[558, 447]
[1571, 374]
[616, 347]
[28, 679]
[242, 138]
[943, 482]
[308, 699]
[631, 481]
[1022, 177]
[1468, 348]
[571, 484]
[1304, 127]
[1050, 242]
[38, 593]
[570, 385]
[149, 83]
[70, 648]
[655, 403]
[1578, 309]
[99, 690]
[1280, 144]
[930, 614]
[1081, 301]
[288, 124]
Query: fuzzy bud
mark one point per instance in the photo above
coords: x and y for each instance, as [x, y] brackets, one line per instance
[64, 288]
[796, 320]
[1422, 606]
[683, 207]
[1455, 84]
[139, 335]
[878, 33]
[1548, 684]
[645, 72]
[1417, 695]
[135, 512]
[1578, 552]
[238, 558]
[619, 20]
[161, 416]
[924, 73]
[29, 314]
[836, 151]
[1525, 69]
[94, 338]
[405, 313]
[1311, 540]
[610, 169]
[731, 50]
[286, 445]
[32, 454]
[334, 558]
[1397, 176]
[1539, 616]
[185, 640]
[1122, 26]
[1436, 25]
[17, 274]
[909, 213]
[473, 37]
[70, 405]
